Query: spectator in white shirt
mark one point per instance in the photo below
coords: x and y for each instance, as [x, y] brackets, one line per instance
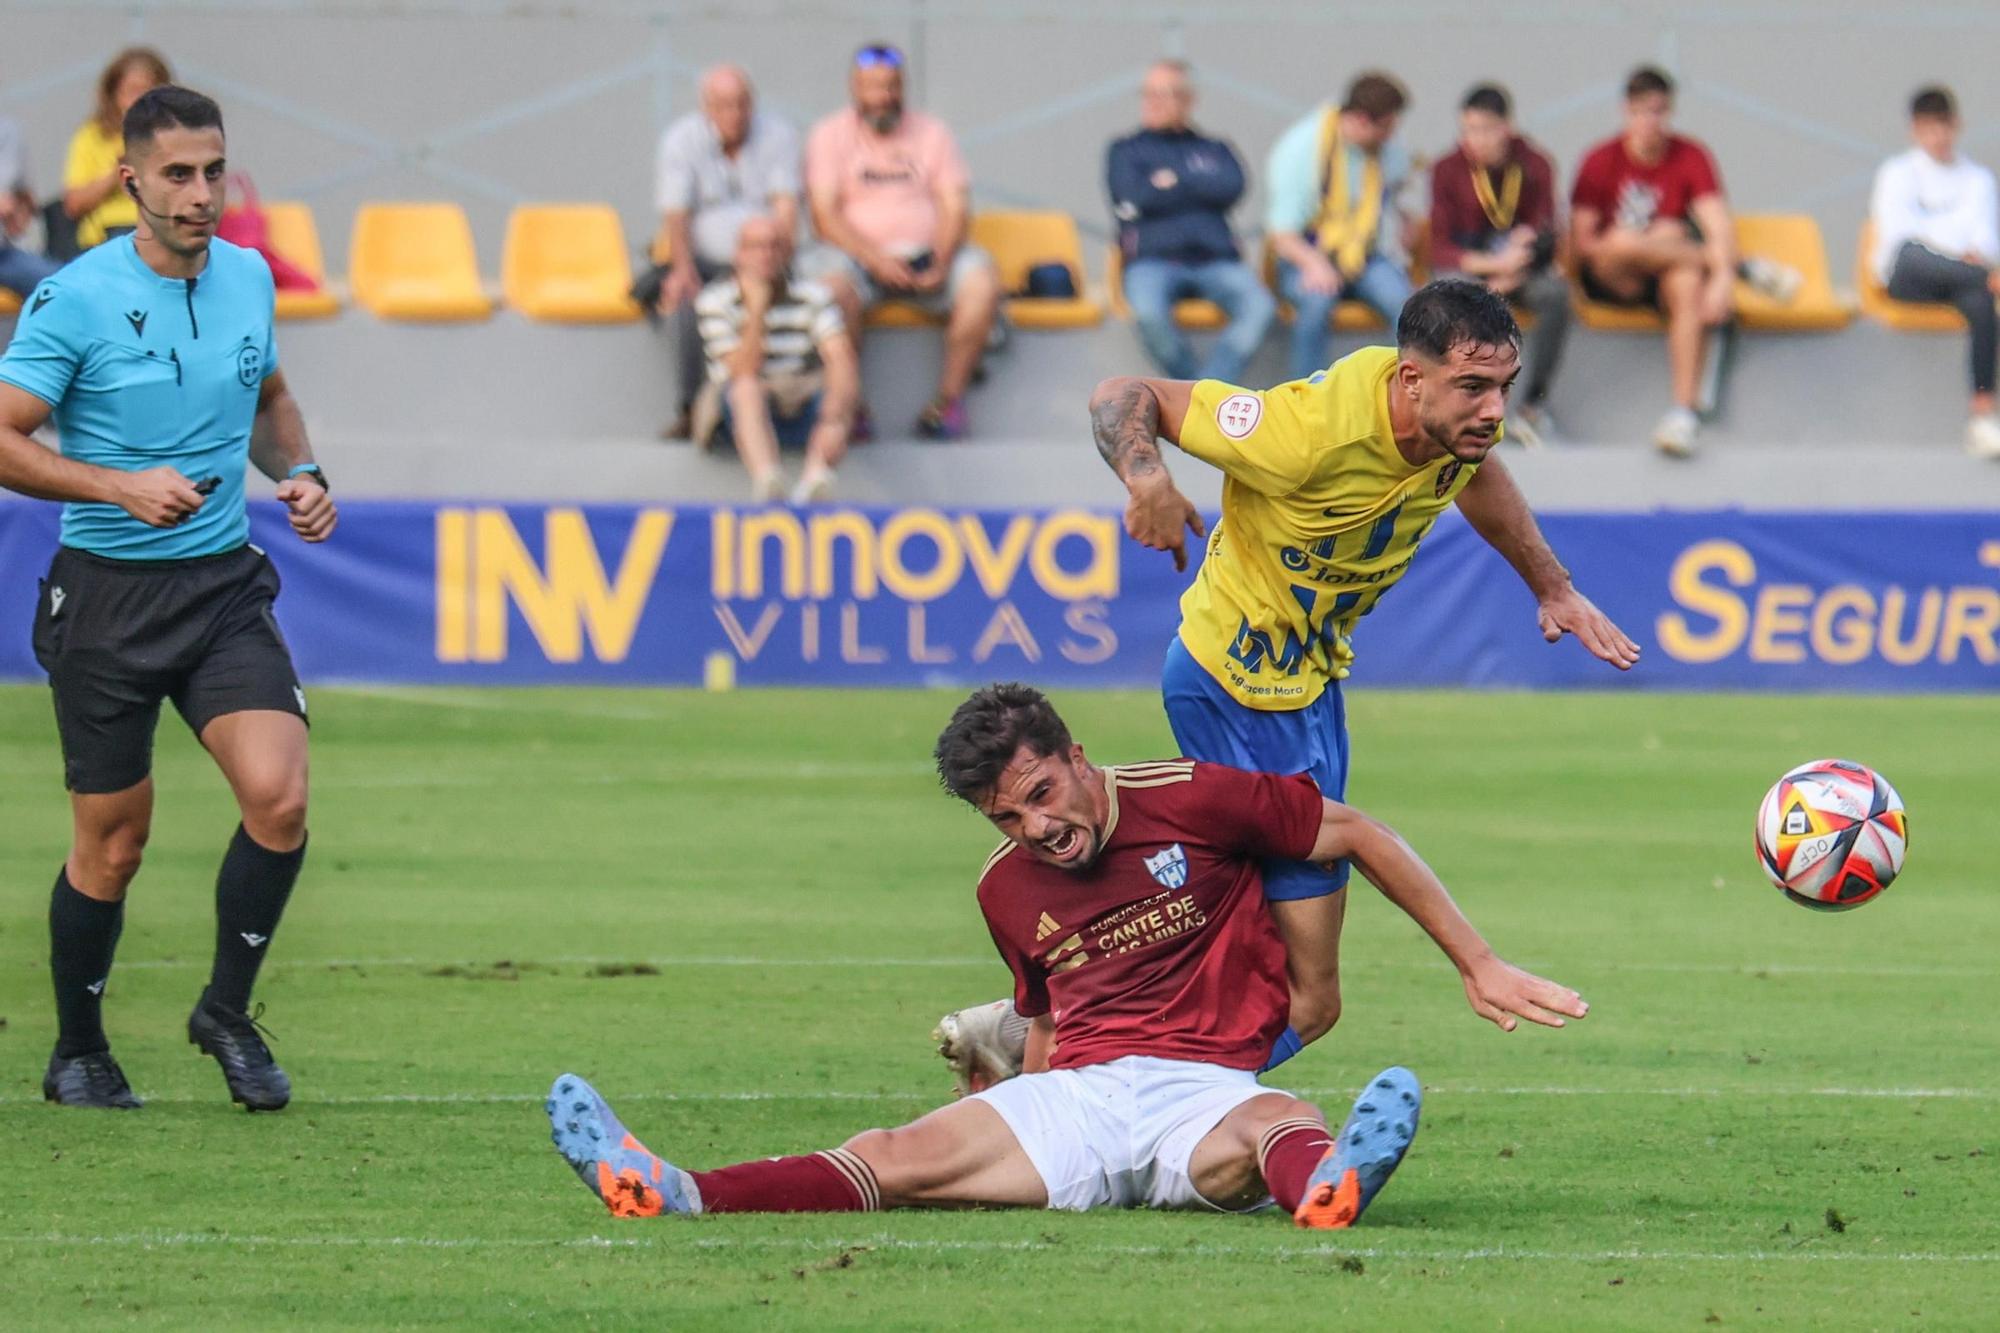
[1937, 238]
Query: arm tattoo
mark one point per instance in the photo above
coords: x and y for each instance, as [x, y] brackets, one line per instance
[1126, 425]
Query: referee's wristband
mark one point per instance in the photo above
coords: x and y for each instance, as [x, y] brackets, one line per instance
[313, 470]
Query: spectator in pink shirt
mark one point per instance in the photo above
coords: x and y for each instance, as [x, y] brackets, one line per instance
[890, 194]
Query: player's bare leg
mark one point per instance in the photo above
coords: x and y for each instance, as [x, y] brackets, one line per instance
[86, 916]
[262, 753]
[960, 1155]
[1310, 928]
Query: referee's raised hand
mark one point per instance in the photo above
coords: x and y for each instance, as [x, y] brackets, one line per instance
[159, 497]
[310, 508]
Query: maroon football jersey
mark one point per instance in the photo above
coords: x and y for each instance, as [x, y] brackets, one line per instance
[1163, 947]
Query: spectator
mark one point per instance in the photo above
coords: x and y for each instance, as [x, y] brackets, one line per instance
[92, 196]
[1651, 228]
[1937, 238]
[1493, 219]
[1331, 213]
[20, 269]
[890, 192]
[1171, 192]
[781, 368]
[717, 167]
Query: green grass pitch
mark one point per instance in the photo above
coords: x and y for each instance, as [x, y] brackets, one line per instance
[741, 914]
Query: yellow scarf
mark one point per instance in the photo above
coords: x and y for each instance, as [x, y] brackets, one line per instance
[1499, 209]
[1348, 219]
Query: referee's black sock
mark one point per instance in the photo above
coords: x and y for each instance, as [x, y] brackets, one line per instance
[83, 935]
[250, 894]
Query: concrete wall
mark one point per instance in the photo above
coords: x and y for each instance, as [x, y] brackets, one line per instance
[493, 102]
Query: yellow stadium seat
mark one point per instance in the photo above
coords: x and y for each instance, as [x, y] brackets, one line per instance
[1791, 239]
[566, 264]
[1903, 316]
[893, 314]
[1018, 241]
[1349, 316]
[416, 262]
[9, 301]
[295, 235]
[1193, 313]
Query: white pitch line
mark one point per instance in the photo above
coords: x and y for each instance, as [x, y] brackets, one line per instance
[1484, 1254]
[928, 1097]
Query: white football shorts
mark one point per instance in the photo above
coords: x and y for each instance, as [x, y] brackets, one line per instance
[1120, 1134]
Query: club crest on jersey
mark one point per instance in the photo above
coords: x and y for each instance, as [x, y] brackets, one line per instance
[1238, 414]
[1169, 867]
[1447, 475]
[249, 365]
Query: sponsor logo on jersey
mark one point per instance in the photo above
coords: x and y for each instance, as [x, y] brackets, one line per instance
[1045, 927]
[1169, 866]
[137, 319]
[42, 298]
[1238, 414]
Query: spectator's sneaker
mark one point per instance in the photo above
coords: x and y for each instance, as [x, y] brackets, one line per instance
[944, 420]
[1675, 434]
[88, 1080]
[236, 1041]
[813, 488]
[1767, 277]
[1982, 436]
[1370, 1147]
[983, 1045]
[1526, 427]
[768, 489]
[630, 1179]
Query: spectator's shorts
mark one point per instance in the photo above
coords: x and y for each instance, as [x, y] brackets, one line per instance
[831, 263]
[794, 398]
[1120, 1134]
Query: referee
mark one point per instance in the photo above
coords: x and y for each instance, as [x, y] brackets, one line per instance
[154, 353]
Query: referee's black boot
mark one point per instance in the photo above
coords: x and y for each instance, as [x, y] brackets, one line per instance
[236, 1040]
[88, 1080]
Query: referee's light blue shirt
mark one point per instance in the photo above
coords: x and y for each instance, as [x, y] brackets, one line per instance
[145, 371]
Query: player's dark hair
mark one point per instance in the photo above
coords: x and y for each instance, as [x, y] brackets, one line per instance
[1444, 314]
[169, 107]
[1934, 103]
[1375, 95]
[1648, 79]
[1490, 98]
[988, 730]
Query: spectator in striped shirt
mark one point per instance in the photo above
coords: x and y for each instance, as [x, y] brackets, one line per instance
[781, 368]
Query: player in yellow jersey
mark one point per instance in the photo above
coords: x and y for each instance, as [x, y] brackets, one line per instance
[1331, 484]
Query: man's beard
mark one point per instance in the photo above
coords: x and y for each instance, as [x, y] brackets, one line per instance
[885, 120]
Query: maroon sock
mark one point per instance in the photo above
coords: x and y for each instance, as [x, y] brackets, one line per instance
[1287, 1154]
[835, 1181]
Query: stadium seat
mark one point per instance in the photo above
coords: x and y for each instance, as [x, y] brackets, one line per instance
[1193, 313]
[566, 264]
[1348, 316]
[1792, 239]
[1903, 316]
[1018, 241]
[9, 301]
[295, 235]
[416, 262]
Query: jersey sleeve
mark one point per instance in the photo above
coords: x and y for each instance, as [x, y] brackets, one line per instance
[1260, 437]
[48, 349]
[1258, 814]
[1031, 981]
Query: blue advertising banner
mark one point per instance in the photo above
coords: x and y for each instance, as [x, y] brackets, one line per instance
[635, 594]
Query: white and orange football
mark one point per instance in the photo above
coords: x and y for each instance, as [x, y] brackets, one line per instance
[1832, 834]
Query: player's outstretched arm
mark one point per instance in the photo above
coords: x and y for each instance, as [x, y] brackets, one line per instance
[159, 496]
[1498, 991]
[1497, 511]
[1128, 418]
[277, 446]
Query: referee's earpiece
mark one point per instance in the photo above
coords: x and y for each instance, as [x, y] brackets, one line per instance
[132, 188]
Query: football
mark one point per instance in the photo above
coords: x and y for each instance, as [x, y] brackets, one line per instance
[1831, 834]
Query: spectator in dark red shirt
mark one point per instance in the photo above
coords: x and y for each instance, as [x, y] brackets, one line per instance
[1493, 219]
[1650, 227]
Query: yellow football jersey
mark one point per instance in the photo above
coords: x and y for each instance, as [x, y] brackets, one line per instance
[1321, 514]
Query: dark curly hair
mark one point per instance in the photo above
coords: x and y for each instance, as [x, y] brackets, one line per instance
[988, 730]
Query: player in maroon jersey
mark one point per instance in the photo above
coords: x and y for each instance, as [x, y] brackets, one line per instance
[1128, 903]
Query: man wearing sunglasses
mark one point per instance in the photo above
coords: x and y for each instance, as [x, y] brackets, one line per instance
[890, 192]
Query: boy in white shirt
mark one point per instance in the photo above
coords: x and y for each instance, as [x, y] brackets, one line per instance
[1937, 238]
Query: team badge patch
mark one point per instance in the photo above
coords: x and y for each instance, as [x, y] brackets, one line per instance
[1447, 475]
[249, 365]
[1169, 867]
[1238, 414]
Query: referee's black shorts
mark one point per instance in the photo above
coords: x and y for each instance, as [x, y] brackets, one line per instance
[118, 636]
